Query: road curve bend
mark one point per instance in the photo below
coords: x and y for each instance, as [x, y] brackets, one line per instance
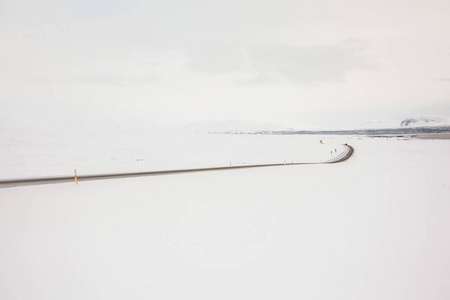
[344, 155]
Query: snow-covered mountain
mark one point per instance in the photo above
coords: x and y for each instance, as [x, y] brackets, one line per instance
[425, 121]
[239, 127]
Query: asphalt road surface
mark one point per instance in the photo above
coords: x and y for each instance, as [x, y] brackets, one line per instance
[344, 155]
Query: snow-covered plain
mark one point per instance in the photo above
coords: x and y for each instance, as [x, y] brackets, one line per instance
[27, 154]
[373, 227]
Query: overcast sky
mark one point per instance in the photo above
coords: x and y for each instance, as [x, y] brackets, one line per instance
[169, 61]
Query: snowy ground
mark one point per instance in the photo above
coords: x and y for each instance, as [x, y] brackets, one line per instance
[25, 154]
[373, 227]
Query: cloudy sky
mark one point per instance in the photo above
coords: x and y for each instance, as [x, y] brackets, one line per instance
[170, 62]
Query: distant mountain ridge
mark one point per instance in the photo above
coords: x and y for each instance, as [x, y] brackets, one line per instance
[425, 121]
[371, 132]
[425, 124]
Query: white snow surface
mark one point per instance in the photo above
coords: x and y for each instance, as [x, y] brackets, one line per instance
[373, 227]
[28, 154]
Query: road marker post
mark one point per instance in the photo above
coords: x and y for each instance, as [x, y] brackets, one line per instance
[76, 176]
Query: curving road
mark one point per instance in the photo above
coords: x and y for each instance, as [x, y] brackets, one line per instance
[344, 155]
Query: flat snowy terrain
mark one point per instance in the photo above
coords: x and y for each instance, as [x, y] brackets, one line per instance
[373, 227]
[25, 154]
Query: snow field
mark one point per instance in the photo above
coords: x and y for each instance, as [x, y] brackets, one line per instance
[373, 227]
[25, 154]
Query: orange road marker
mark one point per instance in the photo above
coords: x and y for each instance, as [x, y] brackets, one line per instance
[76, 177]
